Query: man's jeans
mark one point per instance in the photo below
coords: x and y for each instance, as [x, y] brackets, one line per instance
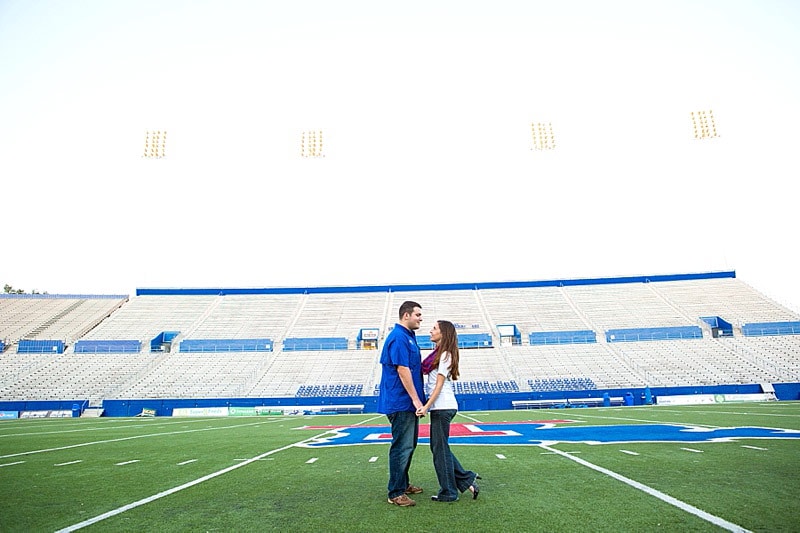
[453, 479]
[405, 432]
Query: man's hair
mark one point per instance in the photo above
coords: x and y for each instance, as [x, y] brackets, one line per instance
[408, 307]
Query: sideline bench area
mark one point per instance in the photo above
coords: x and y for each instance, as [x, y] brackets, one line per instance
[565, 403]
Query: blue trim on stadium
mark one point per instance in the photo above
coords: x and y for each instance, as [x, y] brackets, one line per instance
[432, 286]
[466, 402]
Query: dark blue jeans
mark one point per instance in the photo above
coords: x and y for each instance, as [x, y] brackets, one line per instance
[453, 478]
[405, 432]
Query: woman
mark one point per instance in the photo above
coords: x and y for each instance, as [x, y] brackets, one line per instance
[440, 369]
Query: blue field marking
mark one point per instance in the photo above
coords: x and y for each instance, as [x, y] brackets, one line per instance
[533, 434]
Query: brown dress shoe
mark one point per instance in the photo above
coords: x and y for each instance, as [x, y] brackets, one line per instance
[402, 501]
[411, 489]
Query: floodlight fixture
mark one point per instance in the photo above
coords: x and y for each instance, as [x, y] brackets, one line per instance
[155, 144]
[542, 136]
[704, 126]
[311, 144]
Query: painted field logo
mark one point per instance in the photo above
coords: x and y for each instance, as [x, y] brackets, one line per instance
[549, 433]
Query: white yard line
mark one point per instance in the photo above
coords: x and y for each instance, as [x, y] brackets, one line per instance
[645, 421]
[738, 413]
[717, 521]
[100, 427]
[121, 439]
[472, 418]
[179, 488]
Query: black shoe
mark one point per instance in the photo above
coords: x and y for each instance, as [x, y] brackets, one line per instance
[475, 489]
[478, 476]
[436, 499]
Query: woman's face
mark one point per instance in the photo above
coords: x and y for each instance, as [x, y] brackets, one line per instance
[436, 335]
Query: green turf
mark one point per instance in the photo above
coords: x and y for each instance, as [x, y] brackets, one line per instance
[531, 489]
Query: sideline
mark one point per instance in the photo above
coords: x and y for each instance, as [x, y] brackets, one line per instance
[644, 421]
[100, 427]
[717, 521]
[179, 488]
[121, 439]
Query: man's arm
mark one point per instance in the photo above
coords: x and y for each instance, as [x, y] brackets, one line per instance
[408, 383]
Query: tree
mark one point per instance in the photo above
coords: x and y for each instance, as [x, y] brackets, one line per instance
[8, 289]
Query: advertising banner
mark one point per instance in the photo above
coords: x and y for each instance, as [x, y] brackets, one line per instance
[200, 411]
[45, 414]
[242, 411]
[700, 399]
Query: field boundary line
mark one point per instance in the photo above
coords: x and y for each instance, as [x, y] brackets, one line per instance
[121, 439]
[666, 498]
[101, 427]
[149, 499]
[646, 421]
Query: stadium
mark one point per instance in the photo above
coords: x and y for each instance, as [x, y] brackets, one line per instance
[316, 349]
[233, 409]
[215, 210]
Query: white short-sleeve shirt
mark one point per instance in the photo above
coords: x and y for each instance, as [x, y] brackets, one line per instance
[447, 396]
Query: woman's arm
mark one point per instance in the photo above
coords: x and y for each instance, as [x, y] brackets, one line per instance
[440, 379]
[422, 411]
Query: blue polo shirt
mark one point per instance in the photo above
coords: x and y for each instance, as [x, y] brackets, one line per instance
[399, 349]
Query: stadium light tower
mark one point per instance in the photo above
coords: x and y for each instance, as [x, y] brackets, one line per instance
[703, 125]
[311, 144]
[542, 136]
[155, 144]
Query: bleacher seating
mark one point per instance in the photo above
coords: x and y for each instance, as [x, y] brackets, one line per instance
[561, 384]
[225, 345]
[562, 337]
[465, 340]
[309, 391]
[654, 334]
[485, 387]
[286, 372]
[459, 306]
[193, 375]
[664, 324]
[108, 346]
[601, 363]
[40, 346]
[43, 316]
[729, 298]
[314, 343]
[771, 328]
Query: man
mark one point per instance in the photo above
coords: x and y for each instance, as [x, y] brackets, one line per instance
[400, 396]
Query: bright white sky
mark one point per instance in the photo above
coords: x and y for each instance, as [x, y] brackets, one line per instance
[425, 107]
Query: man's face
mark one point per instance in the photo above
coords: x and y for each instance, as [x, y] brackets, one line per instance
[413, 320]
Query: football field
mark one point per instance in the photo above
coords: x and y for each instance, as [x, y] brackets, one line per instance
[718, 467]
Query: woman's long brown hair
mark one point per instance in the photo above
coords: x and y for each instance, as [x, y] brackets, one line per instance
[448, 343]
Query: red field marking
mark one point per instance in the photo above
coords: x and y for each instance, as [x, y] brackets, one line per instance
[456, 430]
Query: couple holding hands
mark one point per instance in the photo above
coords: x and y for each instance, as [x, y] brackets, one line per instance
[405, 381]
